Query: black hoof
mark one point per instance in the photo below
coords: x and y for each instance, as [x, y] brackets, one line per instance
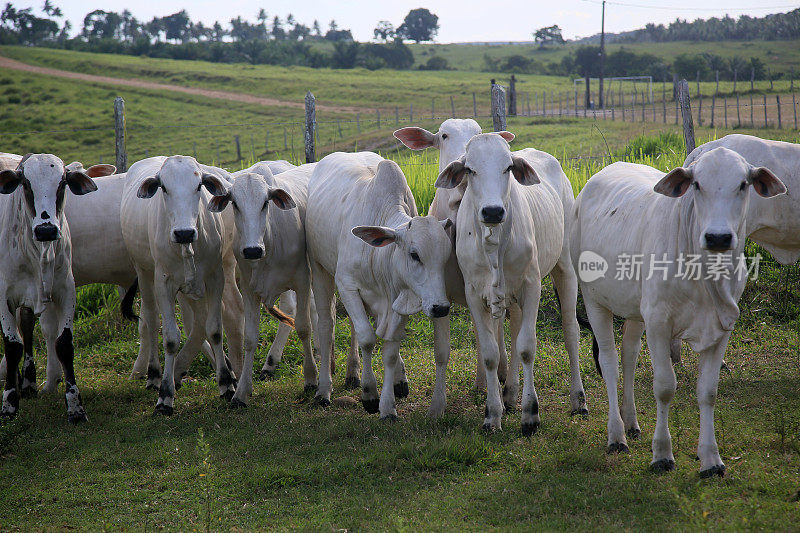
[508, 408]
[353, 382]
[266, 375]
[236, 403]
[582, 412]
[163, 409]
[77, 418]
[319, 401]
[662, 465]
[29, 392]
[617, 447]
[309, 390]
[227, 395]
[401, 389]
[634, 433]
[153, 386]
[528, 429]
[389, 418]
[370, 406]
[488, 428]
[716, 470]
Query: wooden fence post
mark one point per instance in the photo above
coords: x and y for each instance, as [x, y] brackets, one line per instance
[339, 127]
[560, 109]
[769, 74]
[452, 107]
[474, 106]
[498, 108]
[794, 108]
[686, 111]
[765, 111]
[738, 112]
[358, 122]
[622, 104]
[285, 145]
[698, 83]
[778, 101]
[119, 135]
[238, 148]
[713, 107]
[216, 142]
[411, 112]
[752, 120]
[699, 109]
[544, 103]
[633, 106]
[716, 75]
[725, 106]
[512, 96]
[752, 79]
[311, 126]
[266, 143]
[735, 75]
[378, 119]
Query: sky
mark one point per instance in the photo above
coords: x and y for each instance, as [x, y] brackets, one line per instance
[459, 20]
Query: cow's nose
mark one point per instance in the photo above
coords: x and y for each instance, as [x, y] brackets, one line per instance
[45, 232]
[253, 252]
[719, 241]
[438, 311]
[184, 236]
[493, 214]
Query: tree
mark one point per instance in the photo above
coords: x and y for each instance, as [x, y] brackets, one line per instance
[100, 24]
[345, 54]
[548, 35]
[278, 33]
[384, 31]
[316, 28]
[176, 26]
[587, 60]
[419, 25]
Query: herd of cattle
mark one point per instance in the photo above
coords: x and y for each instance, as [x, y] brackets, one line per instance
[222, 244]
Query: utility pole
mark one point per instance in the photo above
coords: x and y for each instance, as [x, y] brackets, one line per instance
[602, 53]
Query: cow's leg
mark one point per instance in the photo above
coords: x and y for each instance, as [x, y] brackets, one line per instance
[323, 288]
[252, 321]
[303, 326]
[659, 339]
[511, 387]
[502, 366]
[148, 334]
[480, 373]
[194, 318]
[26, 323]
[526, 346]
[56, 321]
[232, 314]
[441, 351]
[351, 379]
[389, 353]
[710, 362]
[603, 328]
[165, 294]
[366, 342]
[486, 331]
[631, 347]
[54, 369]
[400, 379]
[566, 284]
[288, 304]
[226, 378]
[13, 349]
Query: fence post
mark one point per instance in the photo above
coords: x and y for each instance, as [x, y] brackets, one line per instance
[698, 83]
[769, 74]
[119, 134]
[752, 78]
[452, 107]
[311, 126]
[512, 96]
[252, 149]
[575, 107]
[725, 105]
[752, 120]
[238, 148]
[216, 142]
[266, 143]
[285, 144]
[738, 112]
[339, 127]
[716, 75]
[622, 104]
[686, 111]
[765, 111]
[778, 101]
[358, 122]
[664, 110]
[633, 106]
[498, 108]
[713, 107]
[559, 103]
[699, 109]
[378, 118]
[794, 108]
[411, 112]
[474, 105]
[544, 103]
[735, 76]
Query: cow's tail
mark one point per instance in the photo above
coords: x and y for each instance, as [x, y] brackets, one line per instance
[280, 315]
[126, 305]
[585, 324]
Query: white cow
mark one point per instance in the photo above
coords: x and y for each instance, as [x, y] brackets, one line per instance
[451, 141]
[270, 248]
[35, 270]
[628, 210]
[398, 272]
[177, 247]
[509, 235]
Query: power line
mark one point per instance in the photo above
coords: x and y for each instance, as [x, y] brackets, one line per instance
[679, 8]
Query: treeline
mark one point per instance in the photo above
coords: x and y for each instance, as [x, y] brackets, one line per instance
[266, 40]
[625, 62]
[745, 28]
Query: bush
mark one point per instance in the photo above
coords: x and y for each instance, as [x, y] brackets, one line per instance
[435, 63]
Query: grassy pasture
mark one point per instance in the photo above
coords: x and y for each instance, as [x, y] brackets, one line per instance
[282, 465]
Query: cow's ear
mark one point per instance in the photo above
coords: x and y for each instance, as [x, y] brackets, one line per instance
[377, 236]
[218, 203]
[447, 224]
[452, 175]
[214, 185]
[523, 171]
[766, 183]
[507, 135]
[9, 180]
[416, 138]
[675, 183]
[149, 187]
[79, 182]
[98, 171]
[281, 198]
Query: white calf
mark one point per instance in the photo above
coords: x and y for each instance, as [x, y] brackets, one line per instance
[629, 210]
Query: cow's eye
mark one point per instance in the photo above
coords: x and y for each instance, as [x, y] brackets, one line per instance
[696, 186]
[743, 186]
[415, 256]
[444, 136]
